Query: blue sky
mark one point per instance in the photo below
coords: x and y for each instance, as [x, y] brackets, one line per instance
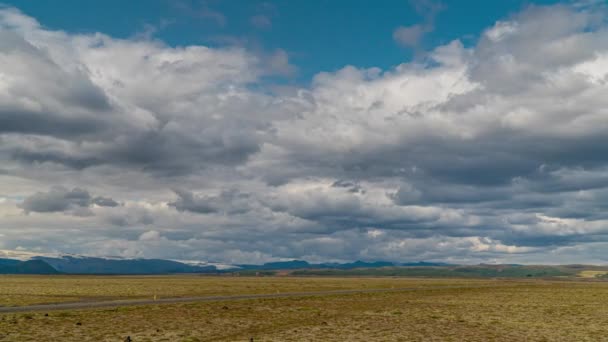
[321, 35]
[246, 132]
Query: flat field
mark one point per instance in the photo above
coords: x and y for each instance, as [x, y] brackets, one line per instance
[28, 290]
[437, 310]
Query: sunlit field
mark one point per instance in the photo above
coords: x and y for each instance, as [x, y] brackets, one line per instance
[441, 310]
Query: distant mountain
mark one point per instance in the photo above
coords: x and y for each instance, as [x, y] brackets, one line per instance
[362, 264]
[90, 265]
[217, 265]
[13, 262]
[280, 265]
[8, 266]
[424, 264]
[9, 262]
[301, 264]
[479, 271]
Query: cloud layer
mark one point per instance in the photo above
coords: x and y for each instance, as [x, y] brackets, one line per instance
[493, 152]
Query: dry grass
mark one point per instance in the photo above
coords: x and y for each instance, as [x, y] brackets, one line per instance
[506, 311]
[592, 273]
[27, 290]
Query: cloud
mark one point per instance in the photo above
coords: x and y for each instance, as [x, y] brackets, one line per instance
[104, 202]
[216, 16]
[427, 8]
[60, 199]
[81, 113]
[411, 36]
[228, 201]
[261, 21]
[492, 152]
[202, 11]
[278, 63]
[188, 202]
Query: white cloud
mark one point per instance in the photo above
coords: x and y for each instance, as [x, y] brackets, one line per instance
[490, 152]
[501, 30]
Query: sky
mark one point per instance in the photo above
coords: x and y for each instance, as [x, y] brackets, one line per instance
[255, 131]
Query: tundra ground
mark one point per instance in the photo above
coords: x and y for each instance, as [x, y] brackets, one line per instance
[476, 310]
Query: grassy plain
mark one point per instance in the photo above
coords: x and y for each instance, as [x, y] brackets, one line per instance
[488, 310]
[27, 290]
[592, 274]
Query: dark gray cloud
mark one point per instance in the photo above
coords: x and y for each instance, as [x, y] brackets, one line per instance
[104, 202]
[55, 157]
[351, 186]
[228, 201]
[15, 120]
[186, 201]
[57, 199]
[61, 199]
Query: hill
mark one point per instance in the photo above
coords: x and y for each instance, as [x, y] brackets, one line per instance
[91, 265]
[301, 264]
[8, 266]
[478, 271]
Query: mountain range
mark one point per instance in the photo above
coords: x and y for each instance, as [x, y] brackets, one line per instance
[301, 264]
[74, 264]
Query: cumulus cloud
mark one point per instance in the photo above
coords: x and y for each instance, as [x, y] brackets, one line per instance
[493, 152]
[228, 201]
[61, 199]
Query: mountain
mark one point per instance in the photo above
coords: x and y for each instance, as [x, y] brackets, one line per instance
[8, 266]
[277, 265]
[363, 264]
[281, 265]
[91, 265]
[301, 264]
[424, 264]
[217, 265]
[8, 262]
